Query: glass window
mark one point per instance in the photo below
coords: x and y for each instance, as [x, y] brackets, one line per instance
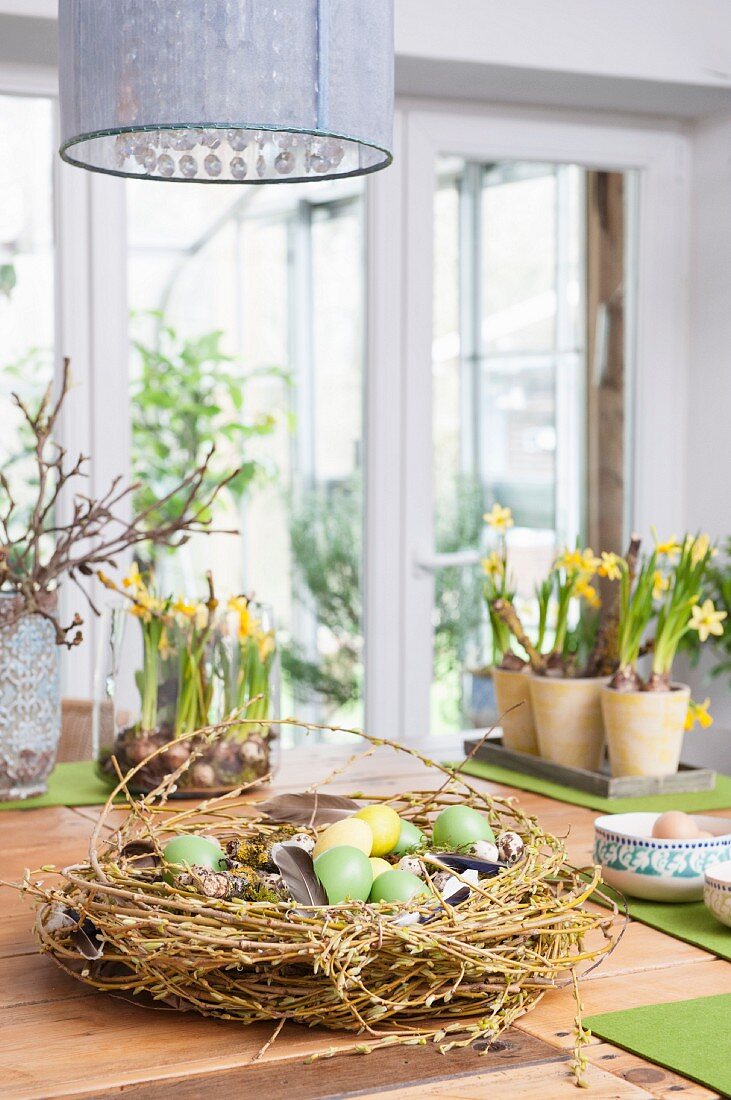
[257, 330]
[26, 272]
[529, 373]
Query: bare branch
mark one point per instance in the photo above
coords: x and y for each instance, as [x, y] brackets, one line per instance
[95, 534]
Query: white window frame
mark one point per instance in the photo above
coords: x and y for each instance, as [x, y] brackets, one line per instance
[399, 525]
[91, 330]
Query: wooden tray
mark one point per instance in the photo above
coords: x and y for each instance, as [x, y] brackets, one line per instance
[686, 779]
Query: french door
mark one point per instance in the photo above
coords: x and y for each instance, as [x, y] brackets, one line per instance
[495, 344]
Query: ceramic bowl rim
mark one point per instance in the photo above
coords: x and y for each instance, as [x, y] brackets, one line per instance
[605, 825]
[712, 873]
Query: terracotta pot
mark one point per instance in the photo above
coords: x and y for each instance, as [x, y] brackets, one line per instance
[645, 729]
[568, 718]
[519, 731]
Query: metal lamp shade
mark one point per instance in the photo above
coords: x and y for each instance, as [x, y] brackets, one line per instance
[227, 91]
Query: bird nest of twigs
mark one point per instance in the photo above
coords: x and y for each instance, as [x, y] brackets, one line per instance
[393, 973]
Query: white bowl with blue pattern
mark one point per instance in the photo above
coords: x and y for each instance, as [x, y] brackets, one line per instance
[643, 866]
[717, 891]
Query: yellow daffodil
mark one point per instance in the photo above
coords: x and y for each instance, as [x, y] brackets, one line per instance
[571, 560]
[184, 609]
[698, 712]
[670, 548]
[706, 620]
[265, 644]
[134, 579]
[146, 606]
[240, 604]
[202, 616]
[493, 565]
[586, 591]
[660, 584]
[499, 519]
[106, 581]
[700, 548]
[611, 566]
[579, 561]
[590, 563]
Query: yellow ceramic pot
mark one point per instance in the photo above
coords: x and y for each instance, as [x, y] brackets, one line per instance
[645, 729]
[519, 731]
[568, 718]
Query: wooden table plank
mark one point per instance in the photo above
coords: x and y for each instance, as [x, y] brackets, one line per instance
[549, 1019]
[273, 1079]
[656, 1079]
[552, 1082]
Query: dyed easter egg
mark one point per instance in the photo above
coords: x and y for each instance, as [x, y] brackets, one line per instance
[345, 874]
[385, 825]
[409, 838]
[191, 851]
[350, 832]
[460, 827]
[379, 866]
[397, 886]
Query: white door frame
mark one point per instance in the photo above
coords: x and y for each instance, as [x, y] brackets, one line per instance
[400, 478]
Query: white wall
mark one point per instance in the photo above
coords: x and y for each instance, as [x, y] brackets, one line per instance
[675, 41]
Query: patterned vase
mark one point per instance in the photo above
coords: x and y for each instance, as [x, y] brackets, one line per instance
[30, 701]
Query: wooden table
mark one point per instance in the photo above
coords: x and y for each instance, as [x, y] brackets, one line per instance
[61, 1039]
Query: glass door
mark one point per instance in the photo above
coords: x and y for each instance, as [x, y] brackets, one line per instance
[528, 402]
[509, 419]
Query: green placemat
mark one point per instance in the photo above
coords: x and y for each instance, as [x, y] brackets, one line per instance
[68, 785]
[691, 1038]
[688, 921]
[717, 799]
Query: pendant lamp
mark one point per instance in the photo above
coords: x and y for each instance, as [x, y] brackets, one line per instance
[227, 91]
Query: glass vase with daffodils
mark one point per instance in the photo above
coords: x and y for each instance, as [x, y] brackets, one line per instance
[187, 678]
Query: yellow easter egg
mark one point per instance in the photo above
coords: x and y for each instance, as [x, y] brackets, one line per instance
[351, 832]
[385, 824]
[379, 866]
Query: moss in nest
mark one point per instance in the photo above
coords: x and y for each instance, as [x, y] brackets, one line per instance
[249, 885]
[254, 851]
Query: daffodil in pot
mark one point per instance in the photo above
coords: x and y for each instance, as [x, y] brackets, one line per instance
[645, 721]
[565, 700]
[509, 670]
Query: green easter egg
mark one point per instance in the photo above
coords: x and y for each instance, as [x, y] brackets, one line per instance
[409, 838]
[397, 886]
[460, 827]
[345, 873]
[200, 851]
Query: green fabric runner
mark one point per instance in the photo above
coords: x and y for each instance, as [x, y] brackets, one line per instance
[717, 799]
[688, 921]
[68, 785]
[691, 1038]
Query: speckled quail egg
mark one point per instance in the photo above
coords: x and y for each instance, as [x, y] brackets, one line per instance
[411, 864]
[484, 849]
[510, 846]
[303, 841]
